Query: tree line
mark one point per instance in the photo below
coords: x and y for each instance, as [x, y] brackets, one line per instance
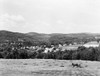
[82, 53]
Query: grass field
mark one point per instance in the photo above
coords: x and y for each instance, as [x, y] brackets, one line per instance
[47, 67]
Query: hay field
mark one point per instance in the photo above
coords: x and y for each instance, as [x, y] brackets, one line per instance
[47, 67]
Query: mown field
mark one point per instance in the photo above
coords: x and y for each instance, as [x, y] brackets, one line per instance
[47, 67]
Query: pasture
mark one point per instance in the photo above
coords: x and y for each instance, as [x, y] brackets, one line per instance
[48, 67]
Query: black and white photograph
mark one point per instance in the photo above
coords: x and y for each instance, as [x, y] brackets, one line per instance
[49, 37]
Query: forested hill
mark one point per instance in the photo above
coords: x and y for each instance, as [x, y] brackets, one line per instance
[14, 36]
[40, 38]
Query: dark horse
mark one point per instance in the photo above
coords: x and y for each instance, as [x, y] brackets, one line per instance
[76, 65]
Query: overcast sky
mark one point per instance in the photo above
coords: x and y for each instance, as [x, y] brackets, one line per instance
[50, 16]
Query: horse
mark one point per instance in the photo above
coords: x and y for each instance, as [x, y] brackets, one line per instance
[76, 65]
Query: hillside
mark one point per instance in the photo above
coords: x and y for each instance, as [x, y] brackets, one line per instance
[14, 36]
[46, 38]
[56, 38]
[39, 36]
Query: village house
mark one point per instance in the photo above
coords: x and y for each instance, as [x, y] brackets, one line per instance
[48, 50]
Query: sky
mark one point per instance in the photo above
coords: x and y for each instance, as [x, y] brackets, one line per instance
[50, 16]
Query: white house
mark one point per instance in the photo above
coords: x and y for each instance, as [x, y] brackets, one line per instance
[92, 44]
[48, 50]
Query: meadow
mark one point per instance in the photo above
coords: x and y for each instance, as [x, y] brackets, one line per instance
[48, 67]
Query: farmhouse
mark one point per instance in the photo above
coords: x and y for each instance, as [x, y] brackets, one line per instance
[92, 44]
